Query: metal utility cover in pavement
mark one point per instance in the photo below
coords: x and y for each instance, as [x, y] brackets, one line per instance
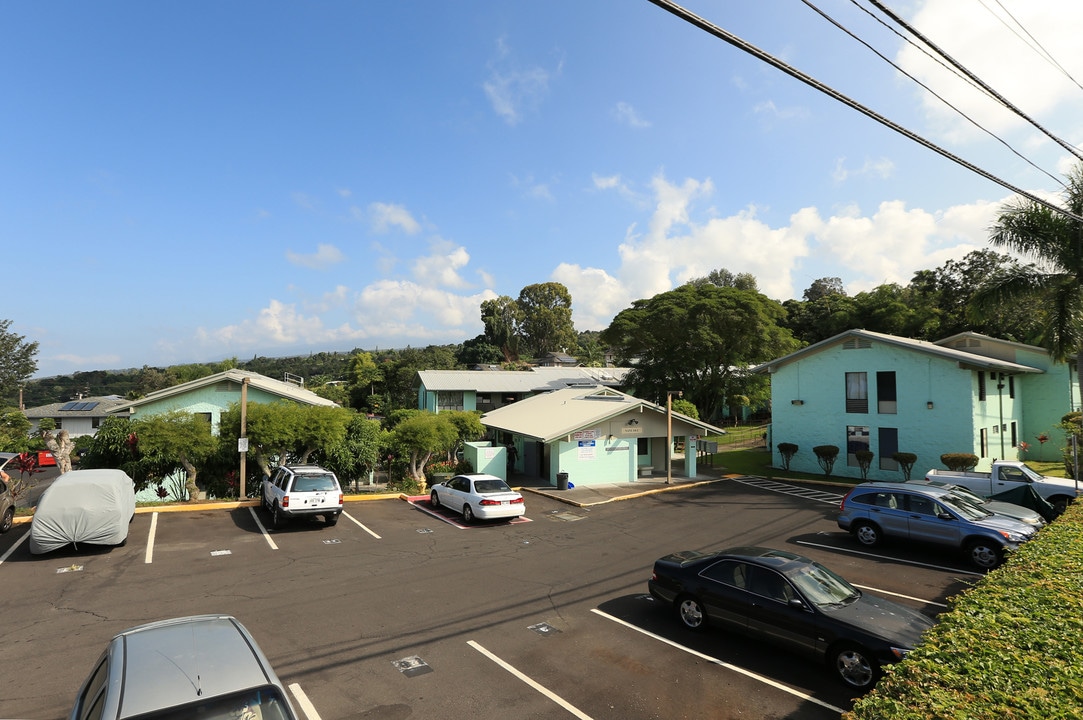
[221, 552]
[70, 568]
[564, 516]
[543, 628]
[336, 541]
[424, 530]
[412, 666]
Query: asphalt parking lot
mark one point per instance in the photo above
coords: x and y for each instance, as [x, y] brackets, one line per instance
[397, 612]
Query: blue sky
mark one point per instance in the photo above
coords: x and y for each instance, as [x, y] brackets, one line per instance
[192, 181]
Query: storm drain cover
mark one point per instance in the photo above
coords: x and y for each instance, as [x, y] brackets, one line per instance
[412, 666]
[424, 530]
[70, 568]
[332, 542]
[565, 516]
[543, 629]
[221, 552]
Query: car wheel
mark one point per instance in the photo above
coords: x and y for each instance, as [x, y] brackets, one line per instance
[690, 613]
[984, 554]
[1060, 503]
[277, 519]
[468, 514]
[8, 519]
[331, 518]
[853, 666]
[867, 534]
[434, 500]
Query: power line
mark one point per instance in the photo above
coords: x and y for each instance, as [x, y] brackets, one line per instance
[747, 47]
[1033, 43]
[993, 93]
[932, 92]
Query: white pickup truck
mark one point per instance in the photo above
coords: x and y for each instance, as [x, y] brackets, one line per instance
[1008, 475]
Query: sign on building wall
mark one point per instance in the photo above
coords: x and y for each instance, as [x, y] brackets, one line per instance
[586, 449]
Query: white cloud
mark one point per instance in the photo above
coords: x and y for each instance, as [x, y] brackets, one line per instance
[684, 242]
[324, 257]
[627, 114]
[881, 168]
[513, 91]
[386, 216]
[990, 44]
[605, 182]
[402, 309]
[441, 266]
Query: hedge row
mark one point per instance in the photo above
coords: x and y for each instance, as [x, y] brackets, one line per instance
[1009, 648]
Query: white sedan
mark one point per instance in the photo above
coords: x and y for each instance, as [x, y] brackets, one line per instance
[484, 497]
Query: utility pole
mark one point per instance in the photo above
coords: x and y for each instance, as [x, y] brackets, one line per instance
[242, 442]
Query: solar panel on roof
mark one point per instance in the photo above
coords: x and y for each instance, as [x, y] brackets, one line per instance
[68, 406]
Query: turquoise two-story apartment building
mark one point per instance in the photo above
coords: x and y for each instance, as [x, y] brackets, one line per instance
[863, 390]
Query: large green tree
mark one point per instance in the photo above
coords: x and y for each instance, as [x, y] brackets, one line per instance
[421, 436]
[1054, 240]
[285, 431]
[698, 339]
[501, 317]
[546, 318]
[358, 452]
[17, 360]
[182, 437]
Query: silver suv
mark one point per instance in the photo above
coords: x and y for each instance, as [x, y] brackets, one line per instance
[295, 491]
[873, 511]
[204, 666]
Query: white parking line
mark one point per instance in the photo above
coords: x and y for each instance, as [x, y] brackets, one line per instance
[266, 535]
[14, 545]
[885, 557]
[543, 690]
[880, 591]
[306, 705]
[149, 557]
[356, 522]
[716, 661]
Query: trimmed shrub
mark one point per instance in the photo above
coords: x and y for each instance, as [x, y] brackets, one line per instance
[906, 463]
[787, 451]
[864, 460]
[1008, 648]
[825, 455]
[960, 462]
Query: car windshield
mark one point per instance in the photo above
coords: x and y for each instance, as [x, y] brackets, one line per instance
[972, 498]
[490, 486]
[965, 508]
[821, 587]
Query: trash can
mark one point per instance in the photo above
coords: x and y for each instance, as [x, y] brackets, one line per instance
[562, 481]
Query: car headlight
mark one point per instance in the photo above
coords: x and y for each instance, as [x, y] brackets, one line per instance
[900, 653]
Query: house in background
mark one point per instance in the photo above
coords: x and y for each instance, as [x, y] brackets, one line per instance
[79, 417]
[488, 390]
[213, 394]
[968, 393]
[595, 434]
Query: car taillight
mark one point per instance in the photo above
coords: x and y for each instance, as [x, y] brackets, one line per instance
[340, 498]
[489, 502]
[842, 505]
[517, 501]
[285, 501]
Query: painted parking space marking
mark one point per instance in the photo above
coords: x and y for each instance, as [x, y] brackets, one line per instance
[304, 703]
[263, 530]
[359, 524]
[888, 557]
[14, 545]
[829, 498]
[422, 503]
[531, 682]
[747, 673]
[148, 557]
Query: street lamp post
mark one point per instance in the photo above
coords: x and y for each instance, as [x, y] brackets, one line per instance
[669, 433]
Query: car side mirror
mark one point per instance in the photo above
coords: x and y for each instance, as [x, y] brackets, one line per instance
[946, 516]
[796, 604]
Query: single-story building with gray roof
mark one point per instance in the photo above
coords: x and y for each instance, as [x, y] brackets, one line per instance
[596, 434]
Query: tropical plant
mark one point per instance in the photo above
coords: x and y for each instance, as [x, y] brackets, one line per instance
[959, 462]
[864, 460]
[906, 463]
[1052, 240]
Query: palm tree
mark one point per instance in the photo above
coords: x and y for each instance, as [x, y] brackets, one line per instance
[1054, 240]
